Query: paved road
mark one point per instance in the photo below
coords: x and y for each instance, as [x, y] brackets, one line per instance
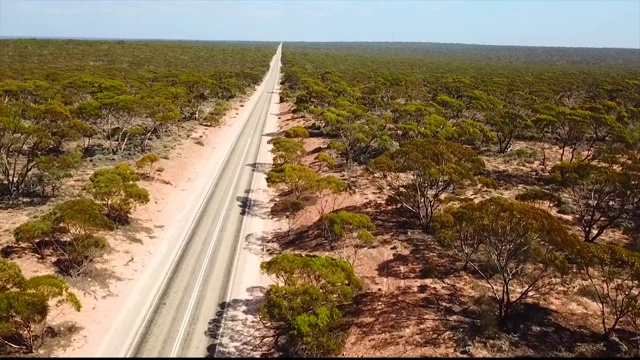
[202, 275]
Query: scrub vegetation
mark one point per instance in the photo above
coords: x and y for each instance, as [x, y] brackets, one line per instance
[77, 119]
[493, 194]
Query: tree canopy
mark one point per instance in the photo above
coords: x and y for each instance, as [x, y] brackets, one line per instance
[117, 97]
[25, 304]
[523, 246]
[421, 171]
[304, 307]
[116, 189]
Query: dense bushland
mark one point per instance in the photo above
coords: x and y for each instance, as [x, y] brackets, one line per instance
[108, 98]
[67, 105]
[426, 123]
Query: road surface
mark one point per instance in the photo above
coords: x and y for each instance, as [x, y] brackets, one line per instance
[170, 318]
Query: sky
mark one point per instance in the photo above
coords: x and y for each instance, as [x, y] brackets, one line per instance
[586, 23]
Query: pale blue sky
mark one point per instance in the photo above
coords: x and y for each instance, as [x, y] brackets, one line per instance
[587, 23]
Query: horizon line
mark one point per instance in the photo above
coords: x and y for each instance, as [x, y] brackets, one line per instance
[10, 37]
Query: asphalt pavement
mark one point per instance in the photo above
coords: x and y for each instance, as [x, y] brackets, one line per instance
[175, 322]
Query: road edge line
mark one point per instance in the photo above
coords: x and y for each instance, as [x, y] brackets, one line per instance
[242, 234]
[132, 346]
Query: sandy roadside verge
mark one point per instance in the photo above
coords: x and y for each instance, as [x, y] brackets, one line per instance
[187, 175]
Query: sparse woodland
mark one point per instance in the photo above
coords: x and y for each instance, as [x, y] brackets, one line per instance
[104, 106]
[439, 199]
[508, 176]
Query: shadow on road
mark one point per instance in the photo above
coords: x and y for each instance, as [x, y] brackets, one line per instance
[250, 206]
[274, 134]
[236, 330]
[262, 168]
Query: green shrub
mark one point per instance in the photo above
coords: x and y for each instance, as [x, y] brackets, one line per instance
[34, 231]
[325, 159]
[297, 132]
[486, 309]
[566, 207]
[116, 189]
[81, 216]
[25, 305]
[487, 182]
[304, 304]
[147, 162]
[79, 252]
[537, 196]
[285, 150]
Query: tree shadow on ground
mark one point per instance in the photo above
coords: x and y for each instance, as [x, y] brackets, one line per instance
[293, 118]
[387, 219]
[257, 243]
[236, 330]
[307, 238]
[262, 168]
[426, 258]
[118, 218]
[252, 207]
[282, 113]
[43, 250]
[11, 203]
[447, 319]
[310, 237]
[10, 250]
[315, 150]
[58, 336]
[132, 231]
[541, 331]
[505, 178]
[13, 251]
[97, 275]
[385, 320]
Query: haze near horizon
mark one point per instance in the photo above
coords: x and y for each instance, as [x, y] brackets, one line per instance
[614, 24]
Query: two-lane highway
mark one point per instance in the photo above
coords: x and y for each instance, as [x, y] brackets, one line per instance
[199, 282]
[175, 322]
